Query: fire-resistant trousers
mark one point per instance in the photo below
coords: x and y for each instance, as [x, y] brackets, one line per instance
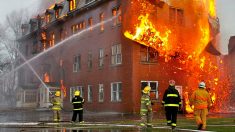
[200, 117]
[79, 113]
[147, 118]
[171, 115]
[56, 115]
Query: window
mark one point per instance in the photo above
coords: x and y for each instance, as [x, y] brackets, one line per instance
[154, 88]
[57, 13]
[180, 17]
[62, 34]
[116, 92]
[74, 28]
[101, 92]
[102, 21]
[119, 15]
[52, 39]
[172, 16]
[44, 40]
[48, 18]
[73, 89]
[116, 12]
[90, 23]
[89, 63]
[72, 5]
[176, 16]
[77, 63]
[116, 54]
[90, 95]
[30, 96]
[148, 54]
[101, 57]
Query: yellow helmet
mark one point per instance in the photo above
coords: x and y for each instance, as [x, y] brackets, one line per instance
[77, 93]
[57, 93]
[146, 89]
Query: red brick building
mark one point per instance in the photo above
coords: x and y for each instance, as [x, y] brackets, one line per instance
[231, 63]
[82, 44]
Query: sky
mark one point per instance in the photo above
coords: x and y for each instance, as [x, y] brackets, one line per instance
[225, 12]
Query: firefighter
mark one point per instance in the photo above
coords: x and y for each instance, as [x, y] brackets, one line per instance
[56, 102]
[172, 103]
[77, 102]
[146, 108]
[202, 102]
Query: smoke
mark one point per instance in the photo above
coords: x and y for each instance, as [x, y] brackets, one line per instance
[225, 10]
[44, 4]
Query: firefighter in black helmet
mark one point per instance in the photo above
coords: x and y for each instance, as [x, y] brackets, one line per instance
[172, 103]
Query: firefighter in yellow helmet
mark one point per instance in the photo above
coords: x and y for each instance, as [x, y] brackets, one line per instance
[202, 102]
[146, 108]
[56, 102]
[77, 102]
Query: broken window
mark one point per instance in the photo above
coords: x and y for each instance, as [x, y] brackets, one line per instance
[48, 18]
[116, 12]
[148, 54]
[44, 40]
[72, 5]
[57, 13]
[52, 39]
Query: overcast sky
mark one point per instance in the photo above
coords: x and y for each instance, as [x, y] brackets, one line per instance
[225, 11]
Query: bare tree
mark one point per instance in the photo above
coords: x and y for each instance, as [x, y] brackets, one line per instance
[9, 33]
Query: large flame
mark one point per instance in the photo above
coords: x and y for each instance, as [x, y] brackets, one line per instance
[148, 35]
[179, 43]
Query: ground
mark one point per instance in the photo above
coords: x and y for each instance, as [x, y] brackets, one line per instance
[40, 120]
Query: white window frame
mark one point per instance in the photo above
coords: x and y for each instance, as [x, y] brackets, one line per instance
[116, 94]
[101, 57]
[89, 93]
[76, 63]
[73, 89]
[101, 92]
[152, 90]
[116, 57]
[89, 60]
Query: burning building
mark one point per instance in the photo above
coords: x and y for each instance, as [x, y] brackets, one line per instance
[111, 49]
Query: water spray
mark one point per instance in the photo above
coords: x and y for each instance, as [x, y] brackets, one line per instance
[60, 43]
[35, 73]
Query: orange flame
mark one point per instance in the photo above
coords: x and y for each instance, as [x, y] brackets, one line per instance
[185, 44]
[146, 34]
[46, 77]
